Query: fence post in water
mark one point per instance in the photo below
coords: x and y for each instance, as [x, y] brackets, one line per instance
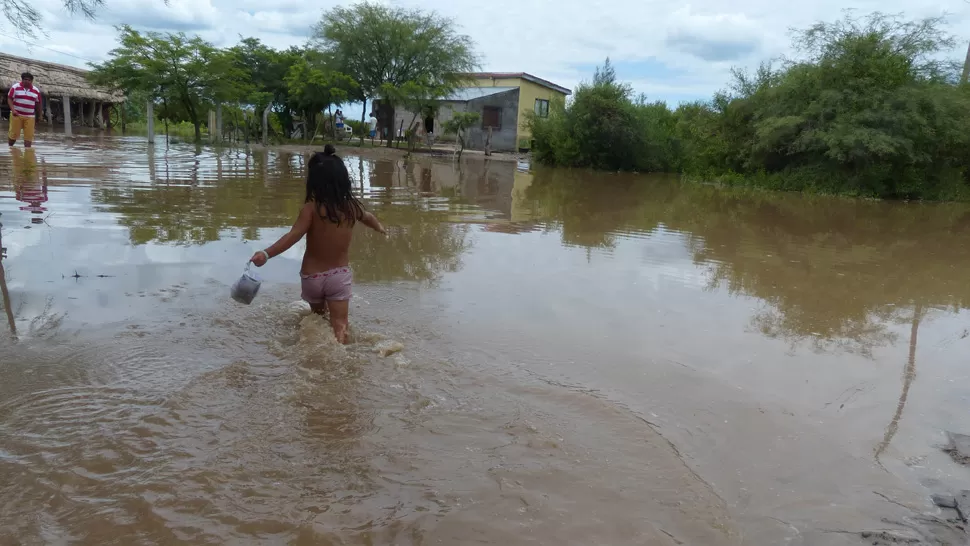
[47, 111]
[266, 126]
[151, 122]
[219, 122]
[66, 99]
[211, 123]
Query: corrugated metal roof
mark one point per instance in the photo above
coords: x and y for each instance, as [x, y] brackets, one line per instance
[464, 94]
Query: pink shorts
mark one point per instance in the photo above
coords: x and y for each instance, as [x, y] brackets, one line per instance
[330, 285]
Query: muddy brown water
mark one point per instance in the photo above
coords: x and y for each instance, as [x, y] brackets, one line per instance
[588, 358]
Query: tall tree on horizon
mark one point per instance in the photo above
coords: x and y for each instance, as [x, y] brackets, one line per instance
[380, 46]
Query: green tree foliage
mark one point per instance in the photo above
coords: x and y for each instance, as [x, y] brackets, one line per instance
[459, 124]
[866, 108]
[605, 127]
[265, 69]
[313, 88]
[384, 48]
[185, 75]
[25, 17]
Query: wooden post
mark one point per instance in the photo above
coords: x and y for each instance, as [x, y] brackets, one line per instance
[266, 126]
[48, 112]
[219, 122]
[67, 114]
[124, 119]
[966, 67]
[97, 118]
[151, 122]
[488, 142]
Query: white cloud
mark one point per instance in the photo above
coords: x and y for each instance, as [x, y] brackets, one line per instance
[698, 43]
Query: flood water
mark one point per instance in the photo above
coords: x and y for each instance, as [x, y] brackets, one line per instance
[588, 358]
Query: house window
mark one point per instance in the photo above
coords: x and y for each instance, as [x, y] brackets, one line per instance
[542, 108]
[492, 117]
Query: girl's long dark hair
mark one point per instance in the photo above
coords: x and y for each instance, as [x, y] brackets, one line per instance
[328, 186]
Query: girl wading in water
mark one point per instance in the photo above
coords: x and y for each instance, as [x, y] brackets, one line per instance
[327, 218]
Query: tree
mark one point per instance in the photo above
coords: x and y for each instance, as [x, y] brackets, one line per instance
[23, 16]
[459, 125]
[314, 88]
[265, 69]
[185, 74]
[383, 46]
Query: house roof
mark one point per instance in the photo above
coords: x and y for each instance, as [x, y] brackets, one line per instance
[54, 79]
[465, 94]
[520, 75]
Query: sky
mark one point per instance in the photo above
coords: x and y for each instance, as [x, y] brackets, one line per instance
[670, 51]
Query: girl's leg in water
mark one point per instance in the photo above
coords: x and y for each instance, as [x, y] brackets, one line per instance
[339, 318]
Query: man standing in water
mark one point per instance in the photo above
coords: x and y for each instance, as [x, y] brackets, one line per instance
[23, 100]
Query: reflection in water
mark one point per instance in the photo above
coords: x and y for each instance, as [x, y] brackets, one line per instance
[909, 374]
[30, 182]
[830, 271]
[4, 291]
[555, 324]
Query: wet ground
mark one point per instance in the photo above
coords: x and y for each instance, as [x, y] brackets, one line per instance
[588, 358]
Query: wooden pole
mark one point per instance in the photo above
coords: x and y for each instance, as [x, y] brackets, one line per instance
[151, 122]
[219, 122]
[67, 114]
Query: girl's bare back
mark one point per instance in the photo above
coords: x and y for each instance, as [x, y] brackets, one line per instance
[327, 243]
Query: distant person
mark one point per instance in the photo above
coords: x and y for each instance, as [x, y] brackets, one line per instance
[23, 100]
[339, 120]
[327, 218]
[372, 122]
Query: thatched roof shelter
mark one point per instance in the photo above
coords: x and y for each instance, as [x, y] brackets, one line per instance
[54, 79]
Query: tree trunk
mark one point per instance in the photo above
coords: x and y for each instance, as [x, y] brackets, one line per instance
[266, 126]
[488, 142]
[389, 114]
[363, 113]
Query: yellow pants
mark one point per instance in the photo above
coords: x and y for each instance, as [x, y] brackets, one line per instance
[18, 123]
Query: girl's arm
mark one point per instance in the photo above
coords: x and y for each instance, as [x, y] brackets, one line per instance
[372, 222]
[299, 229]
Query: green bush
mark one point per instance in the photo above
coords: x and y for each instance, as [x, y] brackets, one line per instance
[606, 127]
[868, 109]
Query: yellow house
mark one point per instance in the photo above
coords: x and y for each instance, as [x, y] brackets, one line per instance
[535, 95]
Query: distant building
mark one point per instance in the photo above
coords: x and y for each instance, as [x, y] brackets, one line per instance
[502, 100]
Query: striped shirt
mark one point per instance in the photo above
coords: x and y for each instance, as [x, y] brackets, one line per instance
[25, 100]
